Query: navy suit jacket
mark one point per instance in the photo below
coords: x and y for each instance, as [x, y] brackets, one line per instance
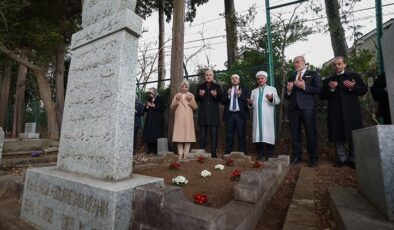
[242, 103]
[304, 99]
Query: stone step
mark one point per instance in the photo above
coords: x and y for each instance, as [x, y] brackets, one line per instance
[15, 145]
[9, 216]
[301, 213]
[26, 161]
[21, 153]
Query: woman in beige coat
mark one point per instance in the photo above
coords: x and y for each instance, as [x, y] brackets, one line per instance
[184, 104]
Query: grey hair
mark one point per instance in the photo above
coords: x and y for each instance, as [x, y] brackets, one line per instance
[154, 90]
[185, 82]
[300, 57]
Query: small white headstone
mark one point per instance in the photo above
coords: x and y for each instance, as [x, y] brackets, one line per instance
[162, 146]
[30, 131]
[30, 127]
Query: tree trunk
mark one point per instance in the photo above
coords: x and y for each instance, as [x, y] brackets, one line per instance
[337, 33]
[5, 92]
[19, 106]
[60, 82]
[161, 64]
[49, 105]
[178, 29]
[231, 32]
[45, 91]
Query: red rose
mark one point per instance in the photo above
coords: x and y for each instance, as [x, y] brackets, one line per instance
[235, 175]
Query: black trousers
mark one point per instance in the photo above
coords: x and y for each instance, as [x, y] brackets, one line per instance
[214, 137]
[263, 148]
[235, 125]
[307, 118]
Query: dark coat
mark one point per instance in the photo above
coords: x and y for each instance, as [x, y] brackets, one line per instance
[344, 110]
[242, 103]
[304, 99]
[208, 105]
[139, 113]
[379, 93]
[154, 121]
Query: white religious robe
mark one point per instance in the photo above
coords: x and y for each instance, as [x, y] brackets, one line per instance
[265, 132]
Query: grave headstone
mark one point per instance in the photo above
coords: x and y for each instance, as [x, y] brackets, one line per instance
[1, 142]
[30, 131]
[162, 146]
[374, 147]
[92, 185]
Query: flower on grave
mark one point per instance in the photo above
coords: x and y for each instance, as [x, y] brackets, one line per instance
[235, 175]
[219, 167]
[205, 173]
[201, 159]
[256, 164]
[179, 181]
[35, 154]
[174, 166]
[200, 198]
[229, 162]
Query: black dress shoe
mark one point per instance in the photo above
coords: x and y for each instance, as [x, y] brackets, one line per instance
[351, 165]
[339, 164]
[213, 155]
[313, 164]
[296, 161]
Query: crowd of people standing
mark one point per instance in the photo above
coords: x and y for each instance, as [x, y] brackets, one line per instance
[342, 91]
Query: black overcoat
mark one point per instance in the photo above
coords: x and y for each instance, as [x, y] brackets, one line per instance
[344, 110]
[208, 105]
[154, 121]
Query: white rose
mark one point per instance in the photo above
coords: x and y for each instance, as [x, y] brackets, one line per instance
[205, 173]
[219, 167]
[179, 180]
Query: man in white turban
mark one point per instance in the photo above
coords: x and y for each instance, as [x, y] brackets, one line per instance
[263, 100]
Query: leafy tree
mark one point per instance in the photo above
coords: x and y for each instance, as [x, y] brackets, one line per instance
[45, 36]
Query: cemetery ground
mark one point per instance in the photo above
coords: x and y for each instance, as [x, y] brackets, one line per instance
[219, 187]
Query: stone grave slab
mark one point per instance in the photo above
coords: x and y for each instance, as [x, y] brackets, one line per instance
[92, 185]
[374, 148]
[56, 199]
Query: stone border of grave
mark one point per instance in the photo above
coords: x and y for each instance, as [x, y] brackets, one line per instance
[163, 206]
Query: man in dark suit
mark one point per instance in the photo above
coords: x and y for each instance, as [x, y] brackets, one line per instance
[235, 114]
[208, 96]
[301, 90]
[342, 90]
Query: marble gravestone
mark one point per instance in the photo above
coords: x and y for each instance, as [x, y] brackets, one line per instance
[374, 147]
[92, 185]
[30, 131]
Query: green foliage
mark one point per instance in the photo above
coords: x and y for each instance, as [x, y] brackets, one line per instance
[284, 33]
[145, 8]
[362, 61]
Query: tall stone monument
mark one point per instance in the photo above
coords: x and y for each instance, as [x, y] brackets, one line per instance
[374, 146]
[92, 185]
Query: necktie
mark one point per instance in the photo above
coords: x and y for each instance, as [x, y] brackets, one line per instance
[234, 101]
[299, 77]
